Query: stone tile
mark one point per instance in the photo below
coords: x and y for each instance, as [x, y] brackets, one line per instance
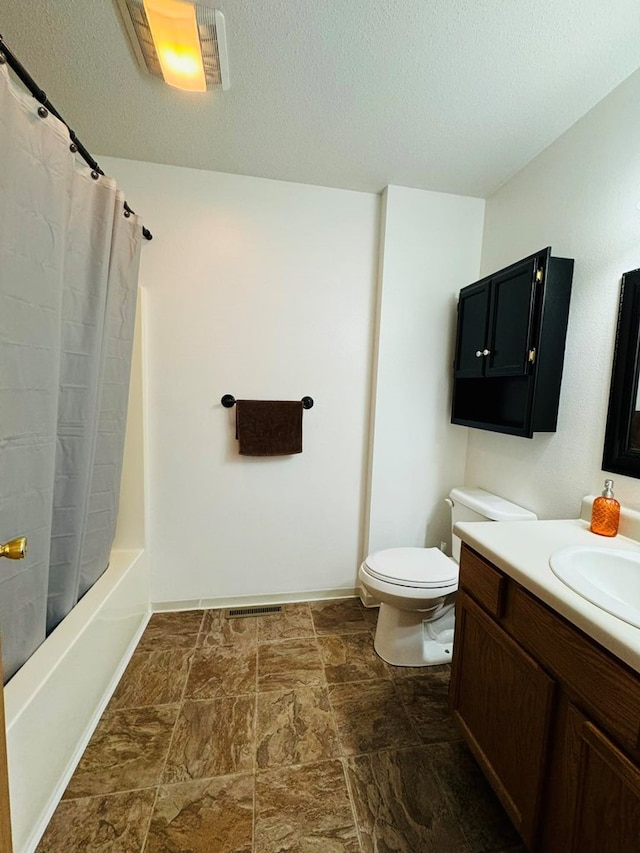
[295, 727]
[286, 664]
[222, 671]
[213, 737]
[117, 822]
[370, 716]
[217, 630]
[414, 787]
[152, 678]
[475, 807]
[426, 700]
[209, 816]
[294, 621]
[344, 616]
[171, 631]
[304, 810]
[127, 751]
[400, 807]
[351, 657]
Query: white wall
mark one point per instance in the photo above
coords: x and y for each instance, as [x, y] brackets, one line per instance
[430, 248]
[260, 289]
[266, 289]
[580, 197]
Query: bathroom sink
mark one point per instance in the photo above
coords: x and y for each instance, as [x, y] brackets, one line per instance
[608, 577]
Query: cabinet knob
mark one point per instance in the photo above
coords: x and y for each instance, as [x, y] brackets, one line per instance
[486, 351]
[478, 353]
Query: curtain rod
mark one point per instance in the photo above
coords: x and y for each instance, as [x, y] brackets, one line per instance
[40, 96]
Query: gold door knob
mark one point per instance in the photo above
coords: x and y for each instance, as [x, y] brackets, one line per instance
[16, 549]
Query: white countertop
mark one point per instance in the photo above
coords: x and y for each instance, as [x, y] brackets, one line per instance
[521, 549]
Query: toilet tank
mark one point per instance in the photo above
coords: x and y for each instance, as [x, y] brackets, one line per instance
[473, 504]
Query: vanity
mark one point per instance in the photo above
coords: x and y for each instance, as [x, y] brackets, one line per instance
[545, 688]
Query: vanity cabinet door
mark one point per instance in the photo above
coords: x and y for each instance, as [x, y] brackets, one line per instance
[502, 701]
[607, 814]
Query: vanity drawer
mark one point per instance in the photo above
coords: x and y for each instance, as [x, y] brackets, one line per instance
[602, 686]
[482, 581]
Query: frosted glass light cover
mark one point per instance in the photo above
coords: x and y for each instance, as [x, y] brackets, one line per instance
[175, 36]
[210, 30]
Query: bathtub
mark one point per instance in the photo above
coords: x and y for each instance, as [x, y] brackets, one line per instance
[55, 700]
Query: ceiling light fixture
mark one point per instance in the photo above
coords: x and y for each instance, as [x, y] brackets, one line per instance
[184, 43]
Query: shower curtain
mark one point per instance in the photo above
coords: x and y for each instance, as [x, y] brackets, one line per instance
[69, 258]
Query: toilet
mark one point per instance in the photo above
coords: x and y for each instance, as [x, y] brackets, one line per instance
[416, 586]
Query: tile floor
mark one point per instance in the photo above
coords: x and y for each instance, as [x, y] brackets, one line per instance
[276, 733]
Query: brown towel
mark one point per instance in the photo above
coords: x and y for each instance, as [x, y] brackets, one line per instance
[269, 427]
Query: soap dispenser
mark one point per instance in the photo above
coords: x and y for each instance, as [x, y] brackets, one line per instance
[605, 514]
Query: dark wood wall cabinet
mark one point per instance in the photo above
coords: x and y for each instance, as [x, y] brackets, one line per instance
[510, 347]
[552, 718]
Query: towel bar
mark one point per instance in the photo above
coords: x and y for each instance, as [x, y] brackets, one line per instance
[229, 401]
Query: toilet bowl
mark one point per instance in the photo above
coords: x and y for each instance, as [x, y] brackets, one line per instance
[416, 586]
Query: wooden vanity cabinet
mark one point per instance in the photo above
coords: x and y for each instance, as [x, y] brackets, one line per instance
[502, 701]
[552, 718]
[607, 807]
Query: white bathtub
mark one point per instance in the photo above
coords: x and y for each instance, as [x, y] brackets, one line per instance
[55, 700]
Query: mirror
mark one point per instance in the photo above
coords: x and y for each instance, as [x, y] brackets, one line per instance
[622, 436]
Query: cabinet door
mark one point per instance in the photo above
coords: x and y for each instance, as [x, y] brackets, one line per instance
[471, 339]
[607, 815]
[511, 316]
[502, 701]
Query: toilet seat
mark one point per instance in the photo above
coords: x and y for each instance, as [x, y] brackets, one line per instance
[420, 568]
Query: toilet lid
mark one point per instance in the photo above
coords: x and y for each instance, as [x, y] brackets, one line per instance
[419, 567]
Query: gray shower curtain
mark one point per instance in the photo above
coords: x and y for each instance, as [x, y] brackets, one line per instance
[68, 282]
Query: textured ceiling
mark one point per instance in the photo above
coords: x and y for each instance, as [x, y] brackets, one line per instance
[449, 95]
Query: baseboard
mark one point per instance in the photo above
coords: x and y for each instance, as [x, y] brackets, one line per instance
[255, 600]
[367, 599]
